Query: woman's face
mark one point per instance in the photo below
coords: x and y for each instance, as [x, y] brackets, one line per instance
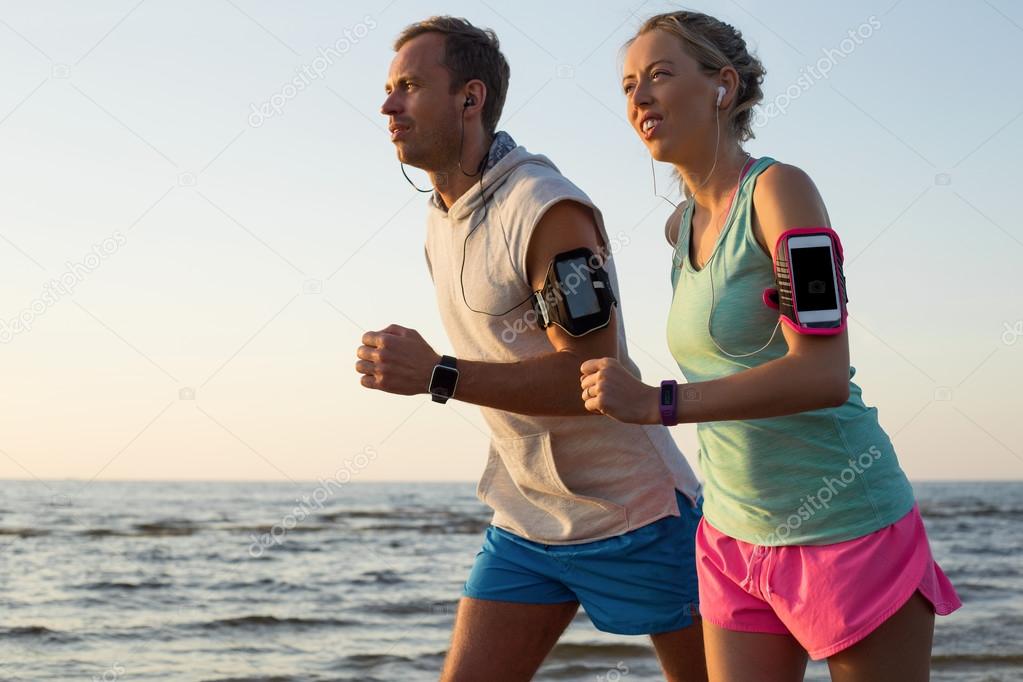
[670, 101]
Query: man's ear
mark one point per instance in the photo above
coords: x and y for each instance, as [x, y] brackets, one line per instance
[475, 96]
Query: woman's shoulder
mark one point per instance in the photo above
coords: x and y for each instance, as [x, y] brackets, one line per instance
[783, 181]
[785, 196]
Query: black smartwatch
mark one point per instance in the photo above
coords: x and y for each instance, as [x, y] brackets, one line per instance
[444, 379]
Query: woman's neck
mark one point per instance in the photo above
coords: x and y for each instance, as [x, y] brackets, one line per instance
[712, 184]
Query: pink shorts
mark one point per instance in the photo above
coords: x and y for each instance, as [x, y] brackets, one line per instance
[828, 597]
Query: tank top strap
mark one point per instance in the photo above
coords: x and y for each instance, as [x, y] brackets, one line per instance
[677, 257]
[739, 222]
[739, 210]
[745, 194]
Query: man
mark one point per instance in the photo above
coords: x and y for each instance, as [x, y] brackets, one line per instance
[586, 509]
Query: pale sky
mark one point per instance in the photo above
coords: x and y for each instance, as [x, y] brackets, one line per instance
[212, 335]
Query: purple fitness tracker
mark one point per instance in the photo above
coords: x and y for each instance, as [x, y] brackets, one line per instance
[669, 398]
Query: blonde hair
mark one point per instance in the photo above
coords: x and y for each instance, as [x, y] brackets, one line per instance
[715, 45]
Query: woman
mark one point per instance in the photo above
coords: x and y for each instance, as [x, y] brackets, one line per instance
[811, 541]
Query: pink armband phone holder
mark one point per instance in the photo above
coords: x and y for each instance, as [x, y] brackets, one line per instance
[783, 296]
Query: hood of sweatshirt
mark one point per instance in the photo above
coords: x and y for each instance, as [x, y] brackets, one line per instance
[492, 180]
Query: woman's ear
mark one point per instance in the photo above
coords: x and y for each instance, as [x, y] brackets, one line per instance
[728, 78]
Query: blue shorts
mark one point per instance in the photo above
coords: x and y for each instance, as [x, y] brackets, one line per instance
[640, 582]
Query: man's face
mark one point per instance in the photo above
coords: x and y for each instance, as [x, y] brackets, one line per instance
[422, 111]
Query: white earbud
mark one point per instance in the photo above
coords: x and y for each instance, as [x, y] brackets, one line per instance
[721, 94]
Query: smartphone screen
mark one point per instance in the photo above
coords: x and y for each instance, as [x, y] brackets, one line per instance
[813, 279]
[577, 287]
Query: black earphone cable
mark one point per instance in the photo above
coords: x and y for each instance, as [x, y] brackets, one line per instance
[416, 188]
[486, 210]
[469, 101]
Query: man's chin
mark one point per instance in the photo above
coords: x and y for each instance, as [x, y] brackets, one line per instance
[407, 158]
[414, 161]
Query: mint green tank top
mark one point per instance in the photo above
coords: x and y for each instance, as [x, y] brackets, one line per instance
[811, 478]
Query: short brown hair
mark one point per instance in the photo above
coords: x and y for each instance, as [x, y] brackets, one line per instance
[469, 53]
[715, 45]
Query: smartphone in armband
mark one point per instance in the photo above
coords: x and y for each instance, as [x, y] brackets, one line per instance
[809, 293]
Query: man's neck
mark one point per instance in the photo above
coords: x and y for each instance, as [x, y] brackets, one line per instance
[456, 180]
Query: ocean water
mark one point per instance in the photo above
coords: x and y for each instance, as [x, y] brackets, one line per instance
[288, 582]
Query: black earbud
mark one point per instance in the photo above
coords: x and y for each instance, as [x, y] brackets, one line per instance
[469, 101]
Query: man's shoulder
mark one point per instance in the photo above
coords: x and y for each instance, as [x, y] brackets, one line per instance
[537, 182]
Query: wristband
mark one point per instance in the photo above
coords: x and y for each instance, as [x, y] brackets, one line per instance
[668, 402]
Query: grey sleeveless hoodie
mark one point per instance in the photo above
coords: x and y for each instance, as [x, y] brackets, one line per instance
[556, 480]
